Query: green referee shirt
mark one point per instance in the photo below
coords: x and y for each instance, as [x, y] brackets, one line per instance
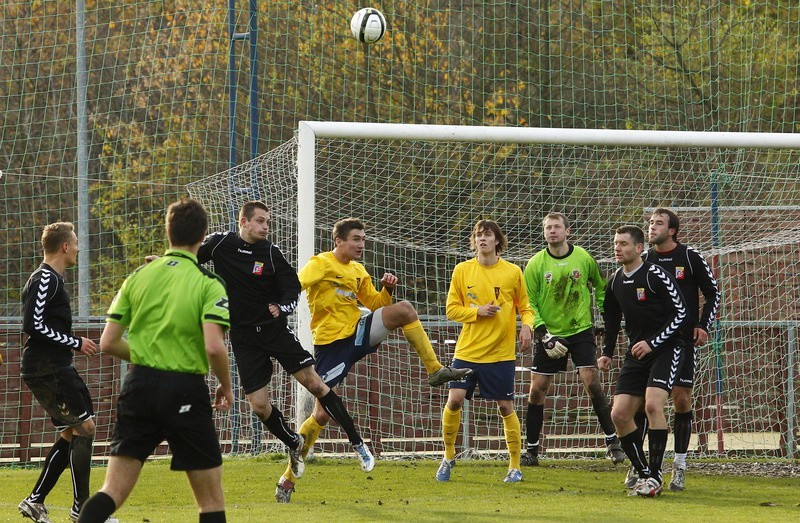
[164, 304]
[559, 292]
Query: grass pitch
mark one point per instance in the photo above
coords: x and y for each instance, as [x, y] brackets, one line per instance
[398, 491]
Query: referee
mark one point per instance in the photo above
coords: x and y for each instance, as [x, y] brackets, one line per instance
[176, 313]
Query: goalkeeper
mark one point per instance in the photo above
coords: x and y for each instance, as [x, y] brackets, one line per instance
[560, 280]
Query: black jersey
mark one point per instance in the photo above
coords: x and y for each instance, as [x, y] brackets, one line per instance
[47, 320]
[693, 276]
[652, 304]
[256, 275]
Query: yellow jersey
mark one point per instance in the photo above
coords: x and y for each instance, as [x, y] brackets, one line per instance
[488, 339]
[334, 289]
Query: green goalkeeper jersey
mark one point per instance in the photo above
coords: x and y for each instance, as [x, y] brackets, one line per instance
[560, 290]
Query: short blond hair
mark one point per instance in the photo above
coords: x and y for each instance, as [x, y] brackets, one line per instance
[55, 235]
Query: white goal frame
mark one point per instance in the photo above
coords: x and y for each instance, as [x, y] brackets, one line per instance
[309, 132]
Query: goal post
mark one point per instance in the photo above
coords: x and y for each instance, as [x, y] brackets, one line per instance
[430, 182]
[420, 189]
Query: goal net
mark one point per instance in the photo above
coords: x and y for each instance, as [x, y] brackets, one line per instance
[421, 188]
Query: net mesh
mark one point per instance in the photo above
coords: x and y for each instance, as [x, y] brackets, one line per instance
[420, 200]
[160, 78]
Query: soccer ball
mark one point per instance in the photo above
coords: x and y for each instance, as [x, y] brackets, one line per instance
[368, 25]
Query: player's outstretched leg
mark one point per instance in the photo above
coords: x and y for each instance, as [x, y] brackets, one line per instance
[438, 374]
[448, 374]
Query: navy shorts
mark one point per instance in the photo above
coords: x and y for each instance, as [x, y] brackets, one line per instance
[157, 405]
[495, 380]
[254, 346]
[582, 350]
[659, 371]
[64, 396]
[335, 359]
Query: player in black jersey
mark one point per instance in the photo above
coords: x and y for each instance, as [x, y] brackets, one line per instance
[48, 372]
[655, 312]
[263, 290]
[694, 276]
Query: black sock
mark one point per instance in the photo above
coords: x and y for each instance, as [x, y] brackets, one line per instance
[335, 408]
[277, 425]
[212, 517]
[635, 452]
[55, 463]
[657, 444]
[97, 508]
[602, 408]
[682, 431]
[534, 419]
[641, 424]
[80, 461]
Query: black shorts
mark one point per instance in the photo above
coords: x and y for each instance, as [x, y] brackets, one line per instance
[659, 371]
[686, 376]
[253, 347]
[582, 350]
[157, 405]
[64, 396]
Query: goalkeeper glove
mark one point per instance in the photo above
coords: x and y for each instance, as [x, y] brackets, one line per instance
[555, 346]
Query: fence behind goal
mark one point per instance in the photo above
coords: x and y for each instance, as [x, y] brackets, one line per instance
[420, 197]
[420, 190]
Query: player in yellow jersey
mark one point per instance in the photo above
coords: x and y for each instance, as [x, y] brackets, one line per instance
[486, 295]
[335, 284]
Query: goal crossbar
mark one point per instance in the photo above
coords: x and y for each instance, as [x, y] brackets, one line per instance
[544, 135]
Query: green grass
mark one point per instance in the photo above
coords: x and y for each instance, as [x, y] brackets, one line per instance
[337, 490]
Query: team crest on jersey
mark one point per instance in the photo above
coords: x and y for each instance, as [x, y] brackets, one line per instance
[680, 273]
[640, 294]
[358, 283]
[548, 277]
[576, 274]
[258, 268]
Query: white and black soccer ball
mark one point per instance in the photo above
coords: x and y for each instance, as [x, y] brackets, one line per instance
[368, 25]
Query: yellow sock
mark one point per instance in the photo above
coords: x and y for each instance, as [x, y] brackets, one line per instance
[451, 421]
[310, 430]
[416, 336]
[513, 438]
